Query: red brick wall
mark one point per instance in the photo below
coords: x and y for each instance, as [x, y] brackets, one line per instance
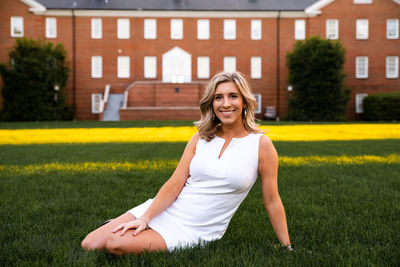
[377, 47]
[243, 48]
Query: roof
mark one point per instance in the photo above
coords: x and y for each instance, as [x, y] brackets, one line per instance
[181, 5]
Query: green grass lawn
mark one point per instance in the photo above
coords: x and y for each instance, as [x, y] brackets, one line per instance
[338, 214]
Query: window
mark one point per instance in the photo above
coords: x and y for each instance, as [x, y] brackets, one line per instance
[97, 29]
[150, 29]
[203, 29]
[255, 67]
[51, 28]
[392, 67]
[97, 67]
[392, 29]
[203, 67]
[123, 67]
[359, 103]
[362, 1]
[362, 29]
[229, 29]
[17, 26]
[300, 29]
[332, 29]
[97, 103]
[123, 29]
[256, 29]
[230, 64]
[361, 67]
[176, 29]
[150, 67]
[259, 104]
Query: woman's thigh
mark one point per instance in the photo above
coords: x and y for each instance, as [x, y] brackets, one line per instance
[149, 240]
[97, 239]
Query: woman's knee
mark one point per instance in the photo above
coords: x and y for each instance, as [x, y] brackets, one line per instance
[90, 243]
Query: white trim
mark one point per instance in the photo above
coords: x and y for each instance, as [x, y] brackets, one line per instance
[150, 67]
[94, 34]
[395, 74]
[51, 22]
[315, 9]
[362, 2]
[97, 103]
[97, 67]
[359, 102]
[12, 22]
[34, 6]
[336, 28]
[366, 66]
[174, 14]
[258, 98]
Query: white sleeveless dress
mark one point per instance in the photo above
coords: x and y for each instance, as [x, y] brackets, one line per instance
[211, 195]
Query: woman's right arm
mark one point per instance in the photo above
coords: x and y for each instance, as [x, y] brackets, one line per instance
[168, 192]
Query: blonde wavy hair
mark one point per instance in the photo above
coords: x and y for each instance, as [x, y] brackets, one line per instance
[209, 123]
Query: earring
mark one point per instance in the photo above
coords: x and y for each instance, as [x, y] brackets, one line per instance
[244, 112]
[213, 116]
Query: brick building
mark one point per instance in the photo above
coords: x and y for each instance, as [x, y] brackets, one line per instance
[153, 57]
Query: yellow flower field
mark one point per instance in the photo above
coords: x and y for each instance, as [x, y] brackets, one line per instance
[162, 164]
[183, 134]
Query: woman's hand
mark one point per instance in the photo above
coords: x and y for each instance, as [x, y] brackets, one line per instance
[139, 224]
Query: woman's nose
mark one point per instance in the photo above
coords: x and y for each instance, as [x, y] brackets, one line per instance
[227, 103]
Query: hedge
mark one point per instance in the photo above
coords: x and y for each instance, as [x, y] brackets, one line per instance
[382, 107]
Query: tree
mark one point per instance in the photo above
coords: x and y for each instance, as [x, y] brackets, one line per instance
[316, 75]
[34, 82]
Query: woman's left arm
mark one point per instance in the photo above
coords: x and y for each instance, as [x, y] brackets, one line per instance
[268, 170]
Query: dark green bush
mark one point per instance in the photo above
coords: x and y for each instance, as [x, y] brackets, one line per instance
[382, 107]
[30, 78]
[316, 75]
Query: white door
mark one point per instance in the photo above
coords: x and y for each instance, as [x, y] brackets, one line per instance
[177, 66]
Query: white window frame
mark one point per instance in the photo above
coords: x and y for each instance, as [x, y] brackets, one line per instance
[203, 67]
[300, 29]
[14, 21]
[256, 29]
[360, 35]
[97, 28]
[203, 29]
[256, 67]
[150, 29]
[229, 29]
[176, 29]
[51, 27]
[150, 67]
[359, 102]
[97, 103]
[358, 66]
[396, 28]
[259, 103]
[230, 64]
[97, 67]
[362, 2]
[123, 29]
[123, 65]
[335, 29]
[395, 73]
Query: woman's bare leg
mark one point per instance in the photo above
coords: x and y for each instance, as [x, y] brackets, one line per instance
[102, 238]
[128, 243]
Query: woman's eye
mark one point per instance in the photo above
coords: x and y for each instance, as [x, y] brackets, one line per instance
[234, 96]
[218, 98]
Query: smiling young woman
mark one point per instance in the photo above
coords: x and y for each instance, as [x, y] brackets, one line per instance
[219, 166]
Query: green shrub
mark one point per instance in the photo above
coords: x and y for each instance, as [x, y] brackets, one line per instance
[382, 107]
[35, 69]
[316, 75]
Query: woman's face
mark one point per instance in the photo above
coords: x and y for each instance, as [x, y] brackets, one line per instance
[228, 103]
